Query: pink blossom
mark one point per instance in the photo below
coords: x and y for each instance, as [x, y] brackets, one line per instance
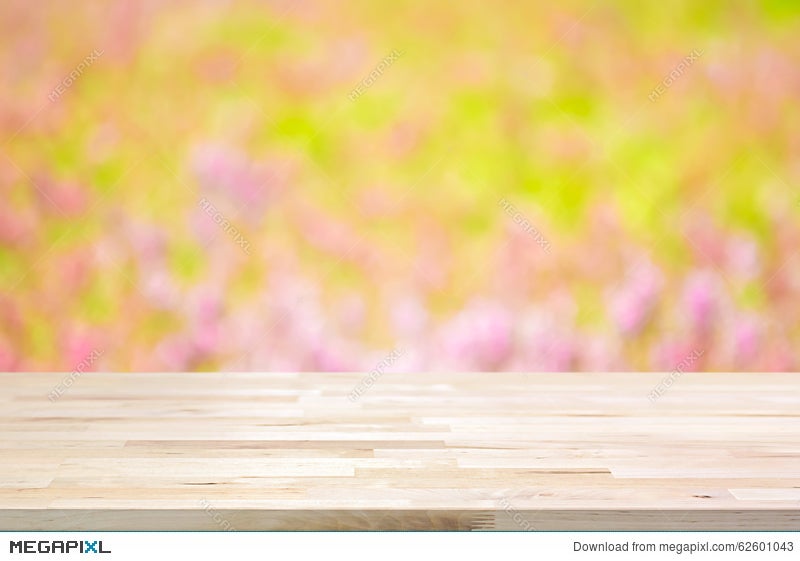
[60, 197]
[8, 359]
[480, 336]
[328, 358]
[206, 339]
[743, 257]
[205, 312]
[250, 186]
[148, 241]
[669, 353]
[409, 316]
[746, 340]
[75, 268]
[78, 345]
[701, 300]
[633, 304]
[561, 355]
[16, 228]
[176, 353]
[352, 312]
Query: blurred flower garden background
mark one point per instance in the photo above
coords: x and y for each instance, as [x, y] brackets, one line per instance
[457, 185]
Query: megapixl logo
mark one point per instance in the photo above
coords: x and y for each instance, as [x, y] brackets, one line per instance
[45, 546]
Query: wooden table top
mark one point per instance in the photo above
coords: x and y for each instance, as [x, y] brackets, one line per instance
[259, 451]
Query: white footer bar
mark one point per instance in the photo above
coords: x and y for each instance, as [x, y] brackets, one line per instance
[401, 546]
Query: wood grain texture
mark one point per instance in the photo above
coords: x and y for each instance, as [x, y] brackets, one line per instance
[216, 451]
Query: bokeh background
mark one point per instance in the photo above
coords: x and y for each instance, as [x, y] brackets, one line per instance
[449, 185]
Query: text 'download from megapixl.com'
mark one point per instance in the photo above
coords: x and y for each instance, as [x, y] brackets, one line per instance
[688, 547]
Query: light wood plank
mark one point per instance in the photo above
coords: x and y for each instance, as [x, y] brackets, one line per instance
[468, 451]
